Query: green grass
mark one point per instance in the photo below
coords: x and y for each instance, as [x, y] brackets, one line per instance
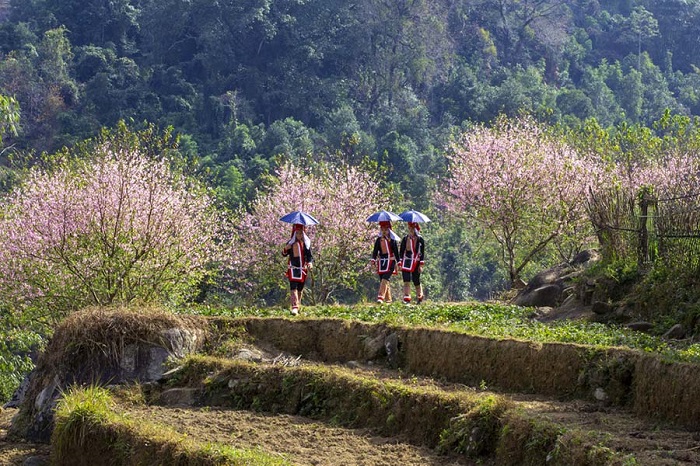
[485, 319]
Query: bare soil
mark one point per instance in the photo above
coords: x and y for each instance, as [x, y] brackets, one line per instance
[299, 440]
[652, 444]
[15, 452]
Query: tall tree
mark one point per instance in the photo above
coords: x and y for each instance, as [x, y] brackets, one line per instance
[518, 183]
[106, 224]
[644, 26]
[9, 117]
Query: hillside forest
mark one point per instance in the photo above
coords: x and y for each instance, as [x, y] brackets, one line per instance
[527, 130]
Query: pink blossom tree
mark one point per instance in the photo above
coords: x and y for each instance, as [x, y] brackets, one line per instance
[341, 198]
[520, 184]
[649, 182]
[116, 227]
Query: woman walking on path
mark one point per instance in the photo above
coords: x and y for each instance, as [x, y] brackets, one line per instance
[412, 254]
[384, 256]
[298, 249]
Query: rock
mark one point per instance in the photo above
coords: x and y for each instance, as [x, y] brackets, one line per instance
[601, 308]
[374, 347]
[249, 354]
[178, 397]
[640, 326]
[170, 374]
[181, 341]
[600, 395]
[540, 312]
[36, 461]
[122, 360]
[674, 333]
[547, 288]
[547, 277]
[544, 296]
[586, 257]
[391, 345]
[18, 396]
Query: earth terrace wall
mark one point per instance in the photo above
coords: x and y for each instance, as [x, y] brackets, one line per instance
[651, 387]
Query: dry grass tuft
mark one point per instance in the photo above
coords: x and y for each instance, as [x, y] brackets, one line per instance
[100, 333]
[87, 347]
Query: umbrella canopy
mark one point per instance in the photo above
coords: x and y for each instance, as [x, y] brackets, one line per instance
[299, 217]
[414, 216]
[383, 216]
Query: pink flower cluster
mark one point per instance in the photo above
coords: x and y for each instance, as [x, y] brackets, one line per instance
[118, 227]
[517, 182]
[340, 197]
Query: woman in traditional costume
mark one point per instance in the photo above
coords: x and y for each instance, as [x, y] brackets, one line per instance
[384, 256]
[300, 262]
[412, 254]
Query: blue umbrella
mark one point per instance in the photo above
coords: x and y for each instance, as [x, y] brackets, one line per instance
[383, 216]
[299, 217]
[414, 216]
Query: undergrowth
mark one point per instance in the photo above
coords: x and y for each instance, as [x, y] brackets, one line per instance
[16, 345]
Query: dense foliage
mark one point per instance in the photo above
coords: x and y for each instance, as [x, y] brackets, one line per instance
[249, 86]
[249, 80]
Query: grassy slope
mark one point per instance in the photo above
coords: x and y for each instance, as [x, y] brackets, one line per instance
[486, 319]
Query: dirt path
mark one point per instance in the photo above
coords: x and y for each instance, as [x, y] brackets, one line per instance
[300, 440]
[16, 453]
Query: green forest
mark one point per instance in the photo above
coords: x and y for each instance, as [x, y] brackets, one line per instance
[250, 85]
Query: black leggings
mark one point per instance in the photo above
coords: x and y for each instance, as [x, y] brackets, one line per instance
[296, 285]
[411, 276]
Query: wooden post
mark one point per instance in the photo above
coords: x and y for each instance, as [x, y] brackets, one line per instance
[643, 251]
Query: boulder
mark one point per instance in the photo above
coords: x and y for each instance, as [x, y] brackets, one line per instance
[677, 332]
[102, 347]
[640, 326]
[550, 287]
[602, 308]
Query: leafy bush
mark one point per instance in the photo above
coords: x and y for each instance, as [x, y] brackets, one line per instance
[15, 348]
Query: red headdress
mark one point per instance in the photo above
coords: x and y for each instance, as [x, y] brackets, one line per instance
[299, 227]
[387, 224]
[414, 225]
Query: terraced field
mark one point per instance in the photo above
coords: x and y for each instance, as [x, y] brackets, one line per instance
[330, 392]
